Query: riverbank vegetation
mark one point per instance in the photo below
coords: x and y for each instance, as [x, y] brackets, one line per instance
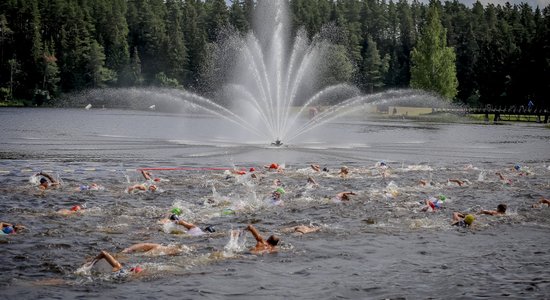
[492, 54]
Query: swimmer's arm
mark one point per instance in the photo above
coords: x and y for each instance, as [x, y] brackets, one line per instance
[255, 233]
[146, 175]
[2, 224]
[488, 212]
[109, 258]
[137, 187]
[187, 225]
[143, 247]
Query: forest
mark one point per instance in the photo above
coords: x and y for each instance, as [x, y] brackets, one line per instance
[491, 54]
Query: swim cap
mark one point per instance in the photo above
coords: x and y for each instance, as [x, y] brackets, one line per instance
[8, 229]
[174, 217]
[156, 179]
[280, 191]
[76, 208]
[210, 229]
[469, 219]
[252, 169]
[274, 166]
[228, 211]
[442, 197]
[42, 180]
[176, 211]
[517, 167]
[136, 269]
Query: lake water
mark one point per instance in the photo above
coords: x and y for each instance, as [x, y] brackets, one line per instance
[378, 245]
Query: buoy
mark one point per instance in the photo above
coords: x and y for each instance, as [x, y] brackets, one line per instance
[88, 106]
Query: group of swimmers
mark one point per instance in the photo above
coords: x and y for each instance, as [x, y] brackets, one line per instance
[268, 245]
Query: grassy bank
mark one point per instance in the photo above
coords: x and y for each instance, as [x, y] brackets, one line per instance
[12, 103]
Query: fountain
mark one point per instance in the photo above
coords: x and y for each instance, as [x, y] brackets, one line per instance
[268, 82]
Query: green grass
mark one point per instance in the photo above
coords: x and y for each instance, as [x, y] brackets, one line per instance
[11, 103]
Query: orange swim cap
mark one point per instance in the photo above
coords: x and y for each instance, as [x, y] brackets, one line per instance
[274, 166]
[76, 208]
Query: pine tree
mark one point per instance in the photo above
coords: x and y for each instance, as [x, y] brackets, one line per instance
[374, 67]
[433, 63]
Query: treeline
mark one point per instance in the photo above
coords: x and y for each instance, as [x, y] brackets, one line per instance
[49, 47]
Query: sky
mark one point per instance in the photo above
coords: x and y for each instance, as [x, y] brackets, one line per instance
[533, 3]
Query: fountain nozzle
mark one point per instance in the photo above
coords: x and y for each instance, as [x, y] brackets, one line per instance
[277, 143]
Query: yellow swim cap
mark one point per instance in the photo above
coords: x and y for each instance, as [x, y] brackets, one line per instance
[469, 219]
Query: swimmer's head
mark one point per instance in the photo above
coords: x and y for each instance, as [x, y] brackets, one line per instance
[442, 197]
[152, 188]
[517, 167]
[43, 181]
[174, 217]
[469, 219]
[157, 179]
[210, 229]
[273, 240]
[280, 191]
[136, 269]
[501, 208]
[176, 211]
[8, 229]
[252, 169]
[76, 208]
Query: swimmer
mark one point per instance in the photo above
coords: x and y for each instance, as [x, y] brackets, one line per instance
[457, 181]
[238, 172]
[301, 229]
[278, 182]
[154, 249]
[542, 201]
[91, 187]
[344, 172]
[434, 203]
[263, 246]
[504, 179]
[47, 181]
[275, 167]
[118, 269]
[73, 210]
[142, 187]
[501, 210]
[148, 176]
[192, 229]
[459, 219]
[311, 182]
[343, 196]
[276, 197]
[8, 228]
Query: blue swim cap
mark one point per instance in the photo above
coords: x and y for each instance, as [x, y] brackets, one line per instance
[517, 167]
[8, 229]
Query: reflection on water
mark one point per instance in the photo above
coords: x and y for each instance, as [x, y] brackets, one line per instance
[379, 245]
